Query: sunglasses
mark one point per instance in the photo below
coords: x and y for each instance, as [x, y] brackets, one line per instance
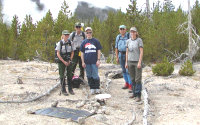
[122, 29]
[78, 26]
[88, 32]
[66, 34]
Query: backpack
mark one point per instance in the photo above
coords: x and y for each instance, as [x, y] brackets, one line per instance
[65, 56]
[76, 81]
[74, 33]
[128, 36]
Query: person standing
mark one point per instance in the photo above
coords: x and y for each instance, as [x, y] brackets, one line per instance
[65, 54]
[134, 55]
[77, 37]
[90, 55]
[120, 51]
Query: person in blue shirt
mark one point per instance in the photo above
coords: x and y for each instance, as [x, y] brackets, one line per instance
[90, 56]
[120, 51]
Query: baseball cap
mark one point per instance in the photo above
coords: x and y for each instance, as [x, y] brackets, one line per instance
[65, 32]
[133, 29]
[122, 26]
[78, 24]
[88, 28]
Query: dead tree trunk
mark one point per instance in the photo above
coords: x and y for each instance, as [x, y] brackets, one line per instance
[193, 38]
[148, 8]
[189, 31]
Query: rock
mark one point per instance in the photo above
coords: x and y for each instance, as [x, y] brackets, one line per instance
[92, 102]
[81, 104]
[30, 111]
[54, 104]
[19, 80]
[96, 104]
[90, 107]
[101, 111]
[101, 102]
[107, 112]
[21, 87]
[93, 111]
[100, 118]
[69, 120]
[81, 120]
[86, 106]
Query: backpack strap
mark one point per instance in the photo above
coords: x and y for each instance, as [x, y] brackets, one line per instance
[61, 44]
[74, 33]
[128, 36]
[83, 34]
[118, 41]
[70, 43]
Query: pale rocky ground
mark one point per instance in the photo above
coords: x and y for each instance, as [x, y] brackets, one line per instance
[173, 101]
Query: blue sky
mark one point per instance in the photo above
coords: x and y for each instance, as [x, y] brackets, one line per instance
[23, 7]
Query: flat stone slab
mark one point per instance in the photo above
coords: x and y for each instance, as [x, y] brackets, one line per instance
[64, 113]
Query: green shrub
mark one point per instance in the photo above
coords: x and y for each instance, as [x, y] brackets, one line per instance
[163, 69]
[109, 60]
[187, 69]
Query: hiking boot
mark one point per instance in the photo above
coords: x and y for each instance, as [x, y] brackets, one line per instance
[63, 89]
[138, 99]
[92, 91]
[125, 86]
[130, 91]
[65, 93]
[97, 91]
[71, 92]
[132, 96]
[130, 87]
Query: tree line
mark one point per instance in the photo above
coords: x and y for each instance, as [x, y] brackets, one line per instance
[159, 31]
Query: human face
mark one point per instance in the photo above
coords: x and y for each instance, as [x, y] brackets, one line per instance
[122, 31]
[78, 28]
[65, 37]
[133, 34]
[89, 34]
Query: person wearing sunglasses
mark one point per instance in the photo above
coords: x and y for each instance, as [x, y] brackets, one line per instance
[134, 55]
[77, 37]
[120, 51]
[90, 55]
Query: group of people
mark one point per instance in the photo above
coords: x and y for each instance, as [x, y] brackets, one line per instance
[81, 48]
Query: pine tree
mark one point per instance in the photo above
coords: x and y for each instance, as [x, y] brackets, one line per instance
[4, 41]
[63, 22]
[14, 43]
[27, 38]
[45, 37]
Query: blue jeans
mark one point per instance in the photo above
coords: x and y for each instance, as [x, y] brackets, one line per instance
[122, 61]
[92, 76]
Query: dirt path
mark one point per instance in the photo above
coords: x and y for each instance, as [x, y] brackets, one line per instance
[39, 77]
[173, 100]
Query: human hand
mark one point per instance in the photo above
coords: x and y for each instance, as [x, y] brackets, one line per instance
[83, 65]
[98, 63]
[139, 65]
